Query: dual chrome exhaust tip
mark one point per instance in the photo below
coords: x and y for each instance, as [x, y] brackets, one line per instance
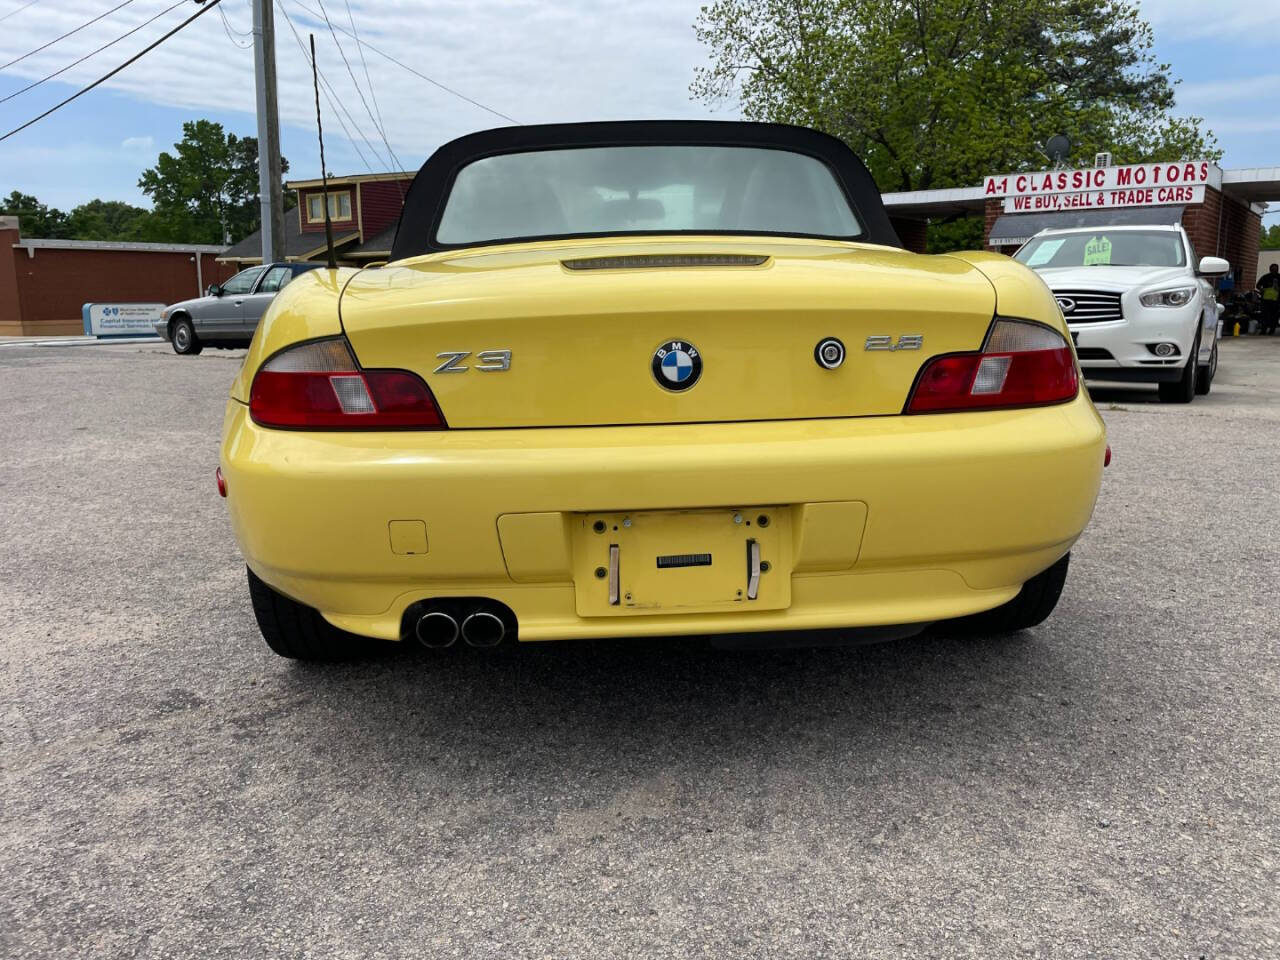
[440, 627]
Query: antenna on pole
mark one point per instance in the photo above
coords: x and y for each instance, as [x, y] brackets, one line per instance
[324, 175]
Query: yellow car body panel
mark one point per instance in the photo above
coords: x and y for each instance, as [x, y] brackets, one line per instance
[953, 512]
[307, 309]
[581, 341]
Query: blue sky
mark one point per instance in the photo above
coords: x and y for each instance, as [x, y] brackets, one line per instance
[574, 60]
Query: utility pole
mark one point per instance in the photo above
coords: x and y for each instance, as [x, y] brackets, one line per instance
[264, 71]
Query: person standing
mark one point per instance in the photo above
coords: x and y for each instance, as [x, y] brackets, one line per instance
[1269, 284]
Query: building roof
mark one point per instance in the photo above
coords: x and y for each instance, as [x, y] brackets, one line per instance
[375, 248]
[297, 245]
[1253, 184]
[934, 203]
[36, 243]
[345, 181]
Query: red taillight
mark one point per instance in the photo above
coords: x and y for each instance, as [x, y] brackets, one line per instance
[1023, 364]
[319, 386]
[1106, 459]
[221, 481]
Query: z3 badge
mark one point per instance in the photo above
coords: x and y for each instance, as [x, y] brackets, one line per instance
[676, 365]
[488, 361]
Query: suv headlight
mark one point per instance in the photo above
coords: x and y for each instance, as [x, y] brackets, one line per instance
[1179, 297]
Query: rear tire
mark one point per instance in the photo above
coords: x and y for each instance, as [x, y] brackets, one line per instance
[1183, 390]
[1031, 607]
[183, 337]
[296, 631]
[1205, 375]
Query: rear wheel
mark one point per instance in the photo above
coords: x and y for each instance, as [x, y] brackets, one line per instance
[183, 337]
[1183, 390]
[1032, 606]
[1205, 375]
[298, 632]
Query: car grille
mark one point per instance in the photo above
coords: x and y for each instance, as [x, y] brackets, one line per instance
[1094, 353]
[1091, 306]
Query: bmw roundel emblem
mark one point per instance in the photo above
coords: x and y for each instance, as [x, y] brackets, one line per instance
[677, 365]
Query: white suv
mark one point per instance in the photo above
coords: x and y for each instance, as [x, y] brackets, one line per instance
[1138, 306]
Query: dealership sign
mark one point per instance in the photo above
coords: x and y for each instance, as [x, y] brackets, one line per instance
[121, 319]
[1127, 185]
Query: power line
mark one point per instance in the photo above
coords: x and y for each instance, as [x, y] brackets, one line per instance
[29, 3]
[76, 63]
[337, 105]
[209, 5]
[325, 88]
[373, 95]
[65, 35]
[240, 33]
[226, 25]
[416, 73]
[382, 127]
[351, 73]
[365, 64]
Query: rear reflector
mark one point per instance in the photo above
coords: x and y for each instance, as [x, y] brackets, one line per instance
[318, 385]
[1023, 364]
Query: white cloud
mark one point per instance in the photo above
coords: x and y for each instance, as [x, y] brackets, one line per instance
[1247, 125]
[138, 144]
[1237, 92]
[1245, 22]
[534, 61]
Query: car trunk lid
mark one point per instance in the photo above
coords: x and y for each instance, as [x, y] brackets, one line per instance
[582, 322]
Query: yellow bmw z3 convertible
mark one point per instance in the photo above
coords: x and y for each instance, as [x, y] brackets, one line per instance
[654, 378]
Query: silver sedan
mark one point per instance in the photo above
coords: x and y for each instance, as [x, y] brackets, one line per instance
[229, 313]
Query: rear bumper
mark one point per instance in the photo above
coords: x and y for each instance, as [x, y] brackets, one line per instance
[889, 519]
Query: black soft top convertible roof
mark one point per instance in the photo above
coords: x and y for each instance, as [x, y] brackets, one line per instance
[424, 204]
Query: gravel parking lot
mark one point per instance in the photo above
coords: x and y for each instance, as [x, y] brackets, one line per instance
[1105, 785]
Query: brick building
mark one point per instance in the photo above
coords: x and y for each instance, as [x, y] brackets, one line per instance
[363, 209]
[44, 283]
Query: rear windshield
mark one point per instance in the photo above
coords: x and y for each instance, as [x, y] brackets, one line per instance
[1117, 248]
[645, 189]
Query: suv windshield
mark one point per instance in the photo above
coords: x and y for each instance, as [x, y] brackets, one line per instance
[1100, 248]
[644, 189]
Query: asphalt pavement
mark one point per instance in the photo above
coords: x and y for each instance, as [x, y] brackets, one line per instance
[1106, 785]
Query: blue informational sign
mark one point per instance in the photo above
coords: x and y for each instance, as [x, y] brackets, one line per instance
[121, 319]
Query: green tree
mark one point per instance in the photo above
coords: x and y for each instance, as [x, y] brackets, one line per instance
[109, 220]
[35, 219]
[939, 93]
[1271, 238]
[207, 189]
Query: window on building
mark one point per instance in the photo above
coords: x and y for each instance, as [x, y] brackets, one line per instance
[339, 206]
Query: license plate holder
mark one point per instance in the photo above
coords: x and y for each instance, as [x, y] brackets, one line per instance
[682, 561]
